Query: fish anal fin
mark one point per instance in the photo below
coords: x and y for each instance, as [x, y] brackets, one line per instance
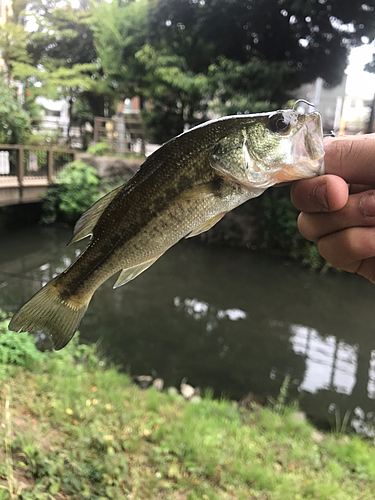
[130, 273]
[86, 223]
[206, 225]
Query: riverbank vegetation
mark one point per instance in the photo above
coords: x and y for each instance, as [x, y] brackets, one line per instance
[74, 427]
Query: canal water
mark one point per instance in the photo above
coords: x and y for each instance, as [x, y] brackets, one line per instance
[233, 320]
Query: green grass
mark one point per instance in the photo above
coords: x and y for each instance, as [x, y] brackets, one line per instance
[71, 428]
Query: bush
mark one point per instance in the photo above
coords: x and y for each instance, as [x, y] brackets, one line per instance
[74, 192]
[44, 138]
[17, 348]
[277, 230]
[99, 149]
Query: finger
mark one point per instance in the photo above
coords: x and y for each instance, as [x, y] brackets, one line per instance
[320, 194]
[367, 269]
[348, 248]
[359, 211]
[352, 158]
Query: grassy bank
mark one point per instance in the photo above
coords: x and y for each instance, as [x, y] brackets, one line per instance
[73, 428]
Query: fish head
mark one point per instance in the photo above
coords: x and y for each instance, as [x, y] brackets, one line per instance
[266, 149]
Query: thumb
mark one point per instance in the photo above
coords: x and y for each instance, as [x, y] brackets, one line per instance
[352, 158]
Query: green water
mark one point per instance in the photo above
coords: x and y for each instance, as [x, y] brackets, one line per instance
[233, 320]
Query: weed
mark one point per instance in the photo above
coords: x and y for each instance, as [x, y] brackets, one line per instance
[7, 440]
[279, 405]
[17, 348]
[340, 425]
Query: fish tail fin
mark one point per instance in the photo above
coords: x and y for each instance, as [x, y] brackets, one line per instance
[48, 312]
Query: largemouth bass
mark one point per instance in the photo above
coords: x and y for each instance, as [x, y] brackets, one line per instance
[181, 190]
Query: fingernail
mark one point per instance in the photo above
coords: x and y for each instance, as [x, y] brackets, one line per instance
[367, 204]
[320, 193]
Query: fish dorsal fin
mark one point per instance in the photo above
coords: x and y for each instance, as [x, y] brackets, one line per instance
[206, 225]
[86, 223]
[130, 273]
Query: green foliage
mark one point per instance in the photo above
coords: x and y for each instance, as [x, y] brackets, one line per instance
[17, 348]
[75, 428]
[99, 149]
[246, 87]
[181, 93]
[64, 62]
[14, 121]
[279, 405]
[120, 31]
[46, 138]
[74, 192]
[341, 425]
[181, 56]
[276, 227]
[13, 44]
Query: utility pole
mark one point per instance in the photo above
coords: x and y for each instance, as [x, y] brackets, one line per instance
[370, 125]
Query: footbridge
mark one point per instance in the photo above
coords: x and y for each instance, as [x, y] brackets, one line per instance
[26, 171]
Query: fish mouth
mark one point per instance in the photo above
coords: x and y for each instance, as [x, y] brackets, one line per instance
[303, 170]
[307, 151]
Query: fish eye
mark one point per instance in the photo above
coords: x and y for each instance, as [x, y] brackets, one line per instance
[279, 124]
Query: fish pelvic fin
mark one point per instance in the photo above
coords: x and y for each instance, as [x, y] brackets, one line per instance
[206, 225]
[86, 223]
[130, 273]
[47, 312]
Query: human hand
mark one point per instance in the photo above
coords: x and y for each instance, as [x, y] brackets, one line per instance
[338, 209]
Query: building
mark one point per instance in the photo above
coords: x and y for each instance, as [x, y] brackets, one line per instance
[5, 10]
[55, 116]
[355, 115]
[5, 13]
[329, 101]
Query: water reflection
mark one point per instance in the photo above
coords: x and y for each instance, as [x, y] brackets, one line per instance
[200, 310]
[227, 319]
[330, 363]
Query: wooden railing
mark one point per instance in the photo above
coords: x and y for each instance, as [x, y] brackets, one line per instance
[26, 171]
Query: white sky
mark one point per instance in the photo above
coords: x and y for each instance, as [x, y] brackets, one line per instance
[359, 82]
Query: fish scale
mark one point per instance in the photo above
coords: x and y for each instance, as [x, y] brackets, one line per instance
[181, 190]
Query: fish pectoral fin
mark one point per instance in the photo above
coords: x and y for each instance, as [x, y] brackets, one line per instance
[206, 225]
[130, 273]
[86, 223]
[201, 191]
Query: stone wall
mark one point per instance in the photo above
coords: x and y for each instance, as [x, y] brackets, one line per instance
[111, 167]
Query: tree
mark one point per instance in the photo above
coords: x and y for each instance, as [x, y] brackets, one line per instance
[179, 96]
[247, 87]
[311, 37]
[14, 121]
[64, 59]
[56, 81]
[120, 31]
[13, 44]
